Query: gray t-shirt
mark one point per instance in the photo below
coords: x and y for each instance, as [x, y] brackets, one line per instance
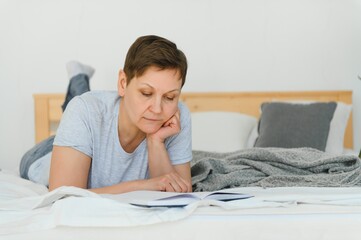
[90, 125]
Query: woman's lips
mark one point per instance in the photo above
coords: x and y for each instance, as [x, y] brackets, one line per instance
[152, 119]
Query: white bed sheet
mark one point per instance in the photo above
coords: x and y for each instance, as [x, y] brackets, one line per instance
[275, 213]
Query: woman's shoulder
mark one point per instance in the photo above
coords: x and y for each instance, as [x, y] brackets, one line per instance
[100, 96]
[100, 100]
[184, 111]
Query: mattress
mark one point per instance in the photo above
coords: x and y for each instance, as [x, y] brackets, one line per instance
[273, 213]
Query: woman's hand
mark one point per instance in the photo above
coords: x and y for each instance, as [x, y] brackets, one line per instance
[169, 128]
[171, 182]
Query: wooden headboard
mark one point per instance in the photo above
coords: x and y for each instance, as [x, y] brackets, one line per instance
[48, 106]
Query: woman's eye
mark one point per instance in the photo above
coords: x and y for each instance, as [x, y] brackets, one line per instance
[170, 98]
[146, 94]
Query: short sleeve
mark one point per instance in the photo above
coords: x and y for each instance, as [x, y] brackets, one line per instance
[179, 146]
[74, 129]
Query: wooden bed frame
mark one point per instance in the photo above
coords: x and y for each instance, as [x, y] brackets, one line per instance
[48, 106]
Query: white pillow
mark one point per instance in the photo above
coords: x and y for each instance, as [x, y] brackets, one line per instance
[252, 137]
[221, 131]
[337, 128]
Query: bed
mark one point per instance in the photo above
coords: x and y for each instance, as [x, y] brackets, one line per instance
[273, 212]
[48, 106]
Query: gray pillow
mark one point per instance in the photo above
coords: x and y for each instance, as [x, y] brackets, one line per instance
[290, 125]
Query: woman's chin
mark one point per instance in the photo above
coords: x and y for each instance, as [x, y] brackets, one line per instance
[150, 129]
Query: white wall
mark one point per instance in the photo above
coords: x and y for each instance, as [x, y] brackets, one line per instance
[232, 45]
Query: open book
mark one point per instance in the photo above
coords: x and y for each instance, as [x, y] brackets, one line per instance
[171, 199]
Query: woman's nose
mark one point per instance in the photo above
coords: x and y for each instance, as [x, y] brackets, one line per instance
[156, 106]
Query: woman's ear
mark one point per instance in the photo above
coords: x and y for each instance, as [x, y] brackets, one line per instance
[122, 83]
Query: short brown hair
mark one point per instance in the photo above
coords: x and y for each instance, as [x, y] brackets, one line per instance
[151, 50]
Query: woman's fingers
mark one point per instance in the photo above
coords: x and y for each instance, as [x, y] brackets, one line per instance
[172, 182]
[177, 183]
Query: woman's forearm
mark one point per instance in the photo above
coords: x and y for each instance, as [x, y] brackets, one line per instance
[158, 159]
[122, 187]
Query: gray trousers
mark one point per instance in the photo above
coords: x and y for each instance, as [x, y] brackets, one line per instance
[78, 85]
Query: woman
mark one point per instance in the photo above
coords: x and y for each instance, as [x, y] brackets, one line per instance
[138, 138]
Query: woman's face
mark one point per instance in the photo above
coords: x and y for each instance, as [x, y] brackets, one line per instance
[151, 99]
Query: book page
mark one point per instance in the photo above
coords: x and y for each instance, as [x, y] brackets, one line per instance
[171, 199]
[226, 196]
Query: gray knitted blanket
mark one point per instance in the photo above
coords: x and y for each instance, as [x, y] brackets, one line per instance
[273, 167]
